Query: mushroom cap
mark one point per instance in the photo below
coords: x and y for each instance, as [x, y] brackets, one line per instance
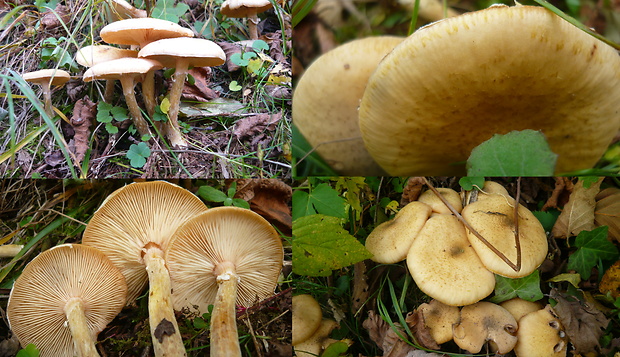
[445, 266]
[519, 307]
[438, 112]
[314, 345]
[223, 234]
[493, 218]
[134, 216]
[244, 8]
[122, 67]
[141, 31]
[437, 205]
[482, 322]
[307, 317]
[326, 100]
[197, 51]
[91, 55]
[541, 334]
[439, 318]
[44, 76]
[69, 271]
[389, 242]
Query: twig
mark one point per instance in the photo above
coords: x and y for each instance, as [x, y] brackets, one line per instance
[517, 239]
[471, 229]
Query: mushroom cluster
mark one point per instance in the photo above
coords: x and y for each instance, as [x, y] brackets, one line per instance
[466, 252]
[420, 114]
[519, 325]
[154, 232]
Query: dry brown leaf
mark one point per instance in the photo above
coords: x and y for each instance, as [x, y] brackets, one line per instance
[584, 324]
[270, 199]
[50, 19]
[385, 337]
[412, 190]
[611, 281]
[562, 185]
[256, 125]
[84, 113]
[415, 321]
[578, 213]
[200, 90]
[607, 212]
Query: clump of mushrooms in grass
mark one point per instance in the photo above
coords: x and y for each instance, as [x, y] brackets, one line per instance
[62, 300]
[331, 127]
[47, 78]
[140, 32]
[126, 70]
[133, 227]
[181, 54]
[551, 76]
[482, 239]
[222, 257]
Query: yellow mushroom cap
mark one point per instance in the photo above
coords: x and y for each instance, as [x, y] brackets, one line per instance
[390, 241]
[493, 218]
[431, 199]
[244, 8]
[541, 334]
[482, 322]
[326, 100]
[307, 317]
[141, 31]
[122, 67]
[422, 114]
[519, 307]
[197, 52]
[44, 76]
[91, 55]
[445, 266]
[439, 318]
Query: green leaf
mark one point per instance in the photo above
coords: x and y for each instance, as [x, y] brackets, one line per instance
[592, 246]
[238, 60]
[322, 199]
[168, 10]
[547, 218]
[573, 279]
[527, 288]
[234, 86]
[110, 128]
[29, 351]
[119, 113]
[238, 202]
[199, 323]
[518, 153]
[468, 183]
[260, 45]
[589, 180]
[320, 245]
[335, 349]
[103, 112]
[137, 154]
[211, 194]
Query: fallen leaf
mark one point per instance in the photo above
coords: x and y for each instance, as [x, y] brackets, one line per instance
[270, 199]
[200, 91]
[385, 337]
[607, 211]
[583, 323]
[422, 334]
[256, 125]
[51, 21]
[412, 190]
[563, 186]
[578, 213]
[84, 113]
[610, 283]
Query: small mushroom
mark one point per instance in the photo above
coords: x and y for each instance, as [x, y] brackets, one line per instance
[246, 8]
[314, 345]
[220, 257]
[10, 250]
[181, 54]
[307, 316]
[64, 297]
[445, 266]
[541, 334]
[519, 307]
[439, 318]
[326, 101]
[126, 70]
[423, 116]
[91, 55]
[47, 78]
[482, 322]
[493, 218]
[133, 227]
[140, 32]
[389, 242]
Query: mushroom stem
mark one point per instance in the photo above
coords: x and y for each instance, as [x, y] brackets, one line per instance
[83, 341]
[47, 97]
[128, 90]
[164, 329]
[148, 92]
[224, 338]
[172, 128]
[253, 26]
[10, 250]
